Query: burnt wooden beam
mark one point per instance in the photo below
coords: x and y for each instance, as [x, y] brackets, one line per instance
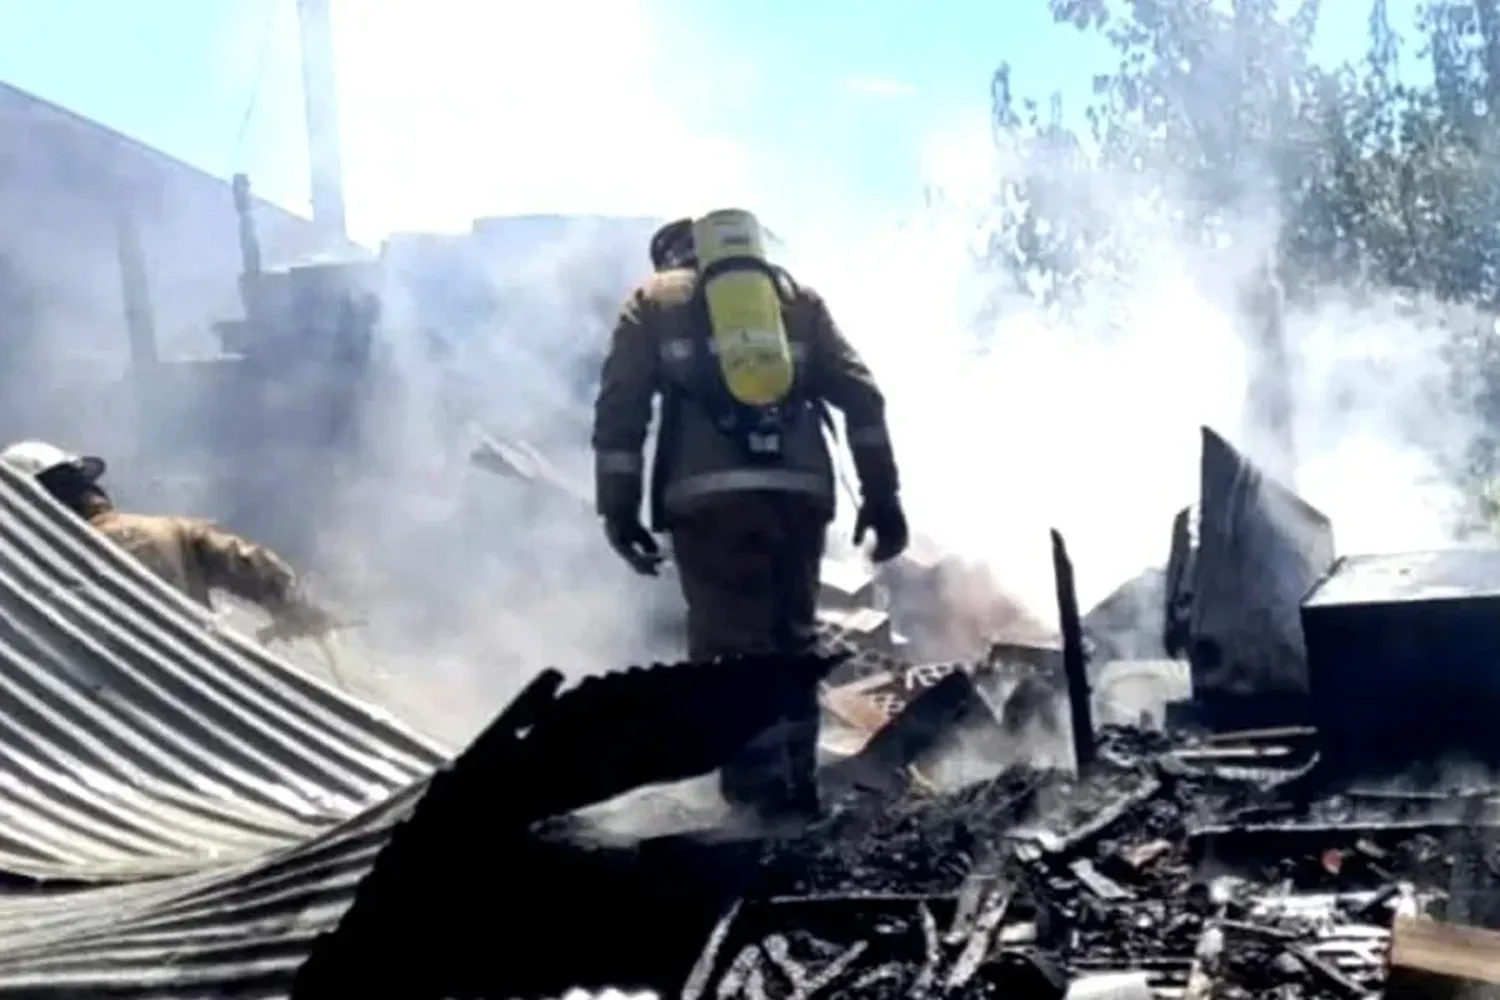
[1431, 960]
[1075, 658]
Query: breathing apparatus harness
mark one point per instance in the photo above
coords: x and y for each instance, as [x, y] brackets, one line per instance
[759, 431]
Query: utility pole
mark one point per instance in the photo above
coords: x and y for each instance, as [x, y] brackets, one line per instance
[320, 90]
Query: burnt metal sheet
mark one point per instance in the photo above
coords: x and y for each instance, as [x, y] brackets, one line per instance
[239, 930]
[140, 737]
[550, 753]
[1404, 653]
[1406, 577]
[1261, 550]
[245, 929]
[1182, 559]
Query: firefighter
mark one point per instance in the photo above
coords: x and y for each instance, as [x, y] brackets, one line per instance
[744, 490]
[191, 555]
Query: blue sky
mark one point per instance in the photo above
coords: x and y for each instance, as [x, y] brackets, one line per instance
[454, 108]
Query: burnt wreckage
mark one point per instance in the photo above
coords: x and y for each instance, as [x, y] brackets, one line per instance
[189, 816]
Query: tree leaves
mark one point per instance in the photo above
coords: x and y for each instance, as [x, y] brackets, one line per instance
[1380, 183]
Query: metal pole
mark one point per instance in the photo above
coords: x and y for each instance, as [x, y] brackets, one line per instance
[140, 319]
[320, 91]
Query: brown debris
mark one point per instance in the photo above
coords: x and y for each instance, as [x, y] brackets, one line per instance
[955, 608]
[936, 719]
[1434, 961]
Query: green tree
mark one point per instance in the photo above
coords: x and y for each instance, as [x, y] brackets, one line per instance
[1381, 184]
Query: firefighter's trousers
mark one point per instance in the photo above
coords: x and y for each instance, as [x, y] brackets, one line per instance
[750, 568]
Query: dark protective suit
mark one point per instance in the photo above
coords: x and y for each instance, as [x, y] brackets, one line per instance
[749, 568]
[748, 538]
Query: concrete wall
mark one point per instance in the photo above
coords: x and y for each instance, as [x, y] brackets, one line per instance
[63, 181]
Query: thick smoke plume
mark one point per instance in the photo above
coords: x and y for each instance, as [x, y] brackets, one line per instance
[467, 583]
[479, 580]
[1011, 417]
[475, 580]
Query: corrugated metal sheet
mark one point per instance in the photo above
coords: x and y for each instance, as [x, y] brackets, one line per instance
[244, 930]
[1261, 548]
[140, 738]
[205, 809]
[240, 931]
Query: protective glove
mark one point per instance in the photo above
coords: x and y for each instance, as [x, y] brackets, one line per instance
[634, 543]
[888, 521]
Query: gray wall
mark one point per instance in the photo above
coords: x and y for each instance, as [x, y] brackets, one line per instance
[63, 180]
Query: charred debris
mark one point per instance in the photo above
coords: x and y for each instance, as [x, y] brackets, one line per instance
[1293, 829]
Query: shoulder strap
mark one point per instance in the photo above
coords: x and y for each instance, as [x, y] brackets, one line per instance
[709, 388]
[780, 279]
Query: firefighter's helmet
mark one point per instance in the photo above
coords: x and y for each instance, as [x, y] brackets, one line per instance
[37, 458]
[672, 245]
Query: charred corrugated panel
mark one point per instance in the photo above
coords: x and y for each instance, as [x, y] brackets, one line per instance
[545, 755]
[241, 930]
[1261, 549]
[1182, 558]
[141, 739]
[1403, 652]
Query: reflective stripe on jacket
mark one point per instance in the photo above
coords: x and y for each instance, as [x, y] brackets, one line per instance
[700, 461]
[653, 352]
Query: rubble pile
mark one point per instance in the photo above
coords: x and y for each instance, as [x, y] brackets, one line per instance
[1179, 869]
[1247, 863]
[915, 845]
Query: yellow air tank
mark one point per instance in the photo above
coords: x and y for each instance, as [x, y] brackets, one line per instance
[744, 307]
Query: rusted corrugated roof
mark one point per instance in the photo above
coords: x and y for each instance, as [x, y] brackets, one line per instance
[141, 739]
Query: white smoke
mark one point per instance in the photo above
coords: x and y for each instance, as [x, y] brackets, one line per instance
[1007, 420]
[454, 110]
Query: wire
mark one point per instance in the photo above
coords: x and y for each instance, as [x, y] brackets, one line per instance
[257, 82]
